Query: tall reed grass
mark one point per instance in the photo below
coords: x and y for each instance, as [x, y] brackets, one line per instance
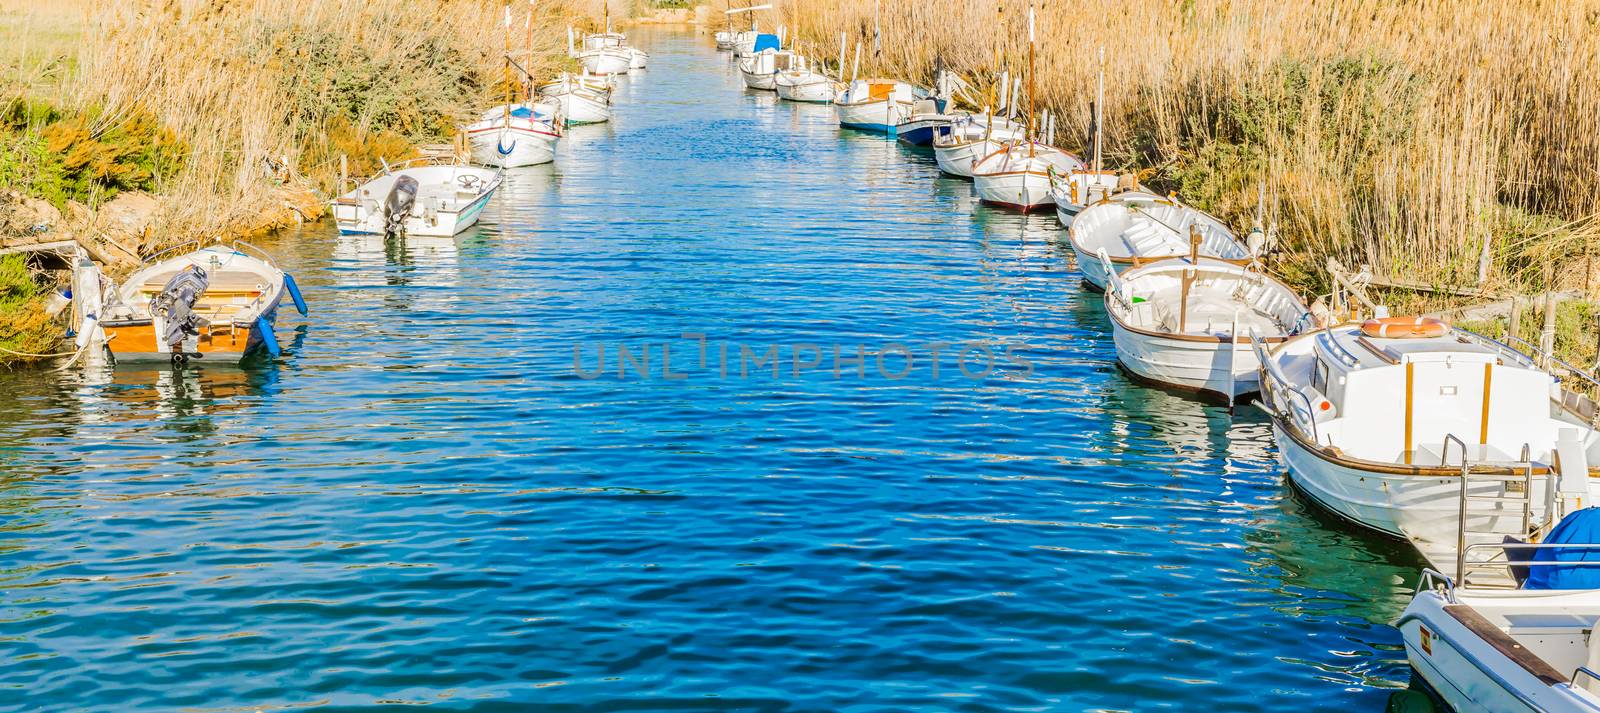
[1409, 135]
[268, 91]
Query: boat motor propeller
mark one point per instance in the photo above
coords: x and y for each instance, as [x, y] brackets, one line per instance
[175, 306]
[397, 206]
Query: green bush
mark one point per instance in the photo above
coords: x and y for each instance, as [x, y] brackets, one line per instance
[81, 155]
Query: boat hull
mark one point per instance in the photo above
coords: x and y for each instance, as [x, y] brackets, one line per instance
[579, 107]
[1395, 500]
[229, 344]
[1024, 191]
[361, 212]
[764, 82]
[1094, 271]
[812, 92]
[606, 62]
[511, 147]
[1188, 364]
[875, 116]
[1468, 672]
[957, 159]
[920, 132]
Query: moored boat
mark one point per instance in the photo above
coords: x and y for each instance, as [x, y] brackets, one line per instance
[970, 138]
[1377, 422]
[876, 104]
[1136, 228]
[761, 67]
[803, 84]
[724, 40]
[1018, 174]
[217, 303]
[516, 135]
[428, 200]
[580, 102]
[1190, 323]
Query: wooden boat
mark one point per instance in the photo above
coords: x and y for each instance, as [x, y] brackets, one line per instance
[417, 199]
[926, 117]
[761, 67]
[724, 39]
[1137, 228]
[580, 102]
[603, 53]
[217, 303]
[1018, 174]
[1081, 188]
[801, 83]
[515, 136]
[1376, 425]
[1190, 323]
[877, 104]
[970, 138]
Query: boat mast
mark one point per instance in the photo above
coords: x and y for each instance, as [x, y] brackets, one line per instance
[1099, 108]
[530, 54]
[506, 115]
[1032, 137]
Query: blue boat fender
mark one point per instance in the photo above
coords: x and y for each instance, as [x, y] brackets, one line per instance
[294, 293]
[268, 339]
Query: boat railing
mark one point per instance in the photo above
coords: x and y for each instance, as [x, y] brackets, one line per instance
[1331, 343]
[1521, 473]
[241, 246]
[185, 246]
[1276, 384]
[1433, 580]
[1577, 677]
[1497, 559]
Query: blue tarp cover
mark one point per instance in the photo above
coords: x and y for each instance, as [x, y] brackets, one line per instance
[1579, 528]
[766, 42]
[522, 112]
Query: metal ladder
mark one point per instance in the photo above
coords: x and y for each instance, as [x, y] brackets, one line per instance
[1506, 496]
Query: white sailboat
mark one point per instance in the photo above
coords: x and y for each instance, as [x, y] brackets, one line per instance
[1019, 174]
[1190, 323]
[1135, 228]
[417, 198]
[974, 136]
[515, 135]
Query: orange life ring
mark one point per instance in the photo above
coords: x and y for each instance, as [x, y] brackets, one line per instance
[1404, 327]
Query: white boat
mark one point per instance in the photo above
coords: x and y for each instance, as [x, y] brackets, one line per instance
[1375, 422]
[524, 136]
[1018, 174]
[1080, 189]
[1135, 228]
[760, 69]
[1190, 324]
[580, 103]
[876, 104]
[637, 59]
[425, 200]
[606, 61]
[217, 303]
[970, 138]
[724, 39]
[803, 84]
[599, 85]
[1526, 645]
[745, 42]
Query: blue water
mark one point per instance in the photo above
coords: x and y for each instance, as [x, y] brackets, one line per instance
[430, 504]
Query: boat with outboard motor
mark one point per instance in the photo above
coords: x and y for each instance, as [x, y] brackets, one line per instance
[417, 198]
[1189, 323]
[217, 303]
[1137, 228]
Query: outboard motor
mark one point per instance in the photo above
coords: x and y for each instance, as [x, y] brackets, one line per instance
[397, 207]
[175, 305]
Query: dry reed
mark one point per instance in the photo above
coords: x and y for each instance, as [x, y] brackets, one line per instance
[1406, 135]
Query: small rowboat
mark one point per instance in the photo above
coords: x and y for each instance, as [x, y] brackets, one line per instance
[1080, 189]
[1136, 228]
[580, 102]
[428, 200]
[1018, 175]
[217, 303]
[802, 84]
[970, 138]
[1190, 324]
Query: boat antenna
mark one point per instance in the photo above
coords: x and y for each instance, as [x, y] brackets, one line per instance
[1099, 108]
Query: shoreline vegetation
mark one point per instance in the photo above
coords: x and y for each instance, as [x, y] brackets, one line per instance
[1446, 148]
[135, 126]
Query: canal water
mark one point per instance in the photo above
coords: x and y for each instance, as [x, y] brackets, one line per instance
[727, 409]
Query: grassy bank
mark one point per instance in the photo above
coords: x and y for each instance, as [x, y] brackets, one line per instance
[235, 115]
[1409, 136]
